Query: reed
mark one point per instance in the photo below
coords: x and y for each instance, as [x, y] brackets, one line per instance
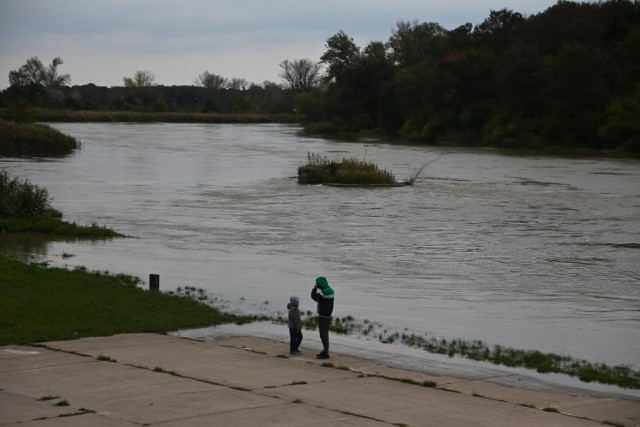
[156, 117]
[34, 140]
[319, 170]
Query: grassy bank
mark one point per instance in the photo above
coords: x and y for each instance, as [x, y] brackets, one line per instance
[45, 304]
[43, 115]
[34, 140]
[26, 208]
[58, 227]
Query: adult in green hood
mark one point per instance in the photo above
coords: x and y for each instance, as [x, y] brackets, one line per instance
[324, 295]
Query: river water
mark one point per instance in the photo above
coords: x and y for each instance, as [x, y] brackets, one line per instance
[529, 252]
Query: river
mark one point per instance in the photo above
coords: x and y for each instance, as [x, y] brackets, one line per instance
[532, 252]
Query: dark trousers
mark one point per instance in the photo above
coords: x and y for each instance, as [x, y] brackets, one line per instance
[323, 327]
[296, 339]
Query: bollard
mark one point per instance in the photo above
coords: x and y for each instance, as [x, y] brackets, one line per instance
[154, 282]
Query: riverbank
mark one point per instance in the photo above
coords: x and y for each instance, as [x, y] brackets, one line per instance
[81, 116]
[45, 304]
[149, 379]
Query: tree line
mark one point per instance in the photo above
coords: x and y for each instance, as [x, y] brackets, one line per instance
[568, 76]
[36, 85]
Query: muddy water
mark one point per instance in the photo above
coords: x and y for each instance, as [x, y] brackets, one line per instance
[529, 252]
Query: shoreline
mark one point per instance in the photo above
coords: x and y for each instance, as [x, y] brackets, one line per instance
[404, 357]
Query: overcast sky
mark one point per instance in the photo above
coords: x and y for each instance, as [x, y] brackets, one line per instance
[101, 41]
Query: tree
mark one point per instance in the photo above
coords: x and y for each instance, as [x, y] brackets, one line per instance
[237, 84]
[341, 51]
[34, 72]
[140, 79]
[412, 43]
[301, 75]
[142, 88]
[211, 81]
[498, 31]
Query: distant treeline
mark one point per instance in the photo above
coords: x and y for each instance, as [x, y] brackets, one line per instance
[268, 98]
[567, 77]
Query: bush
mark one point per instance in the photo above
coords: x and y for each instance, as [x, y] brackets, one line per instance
[34, 140]
[21, 199]
[319, 170]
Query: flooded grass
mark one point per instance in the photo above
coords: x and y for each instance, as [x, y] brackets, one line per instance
[620, 375]
[26, 208]
[56, 226]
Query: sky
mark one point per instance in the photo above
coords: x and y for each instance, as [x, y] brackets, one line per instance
[102, 41]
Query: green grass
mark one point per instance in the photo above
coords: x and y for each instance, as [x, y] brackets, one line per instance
[34, 140]
[26, 208]
[56, 226]
[626, 376]
[620, 375]
[319, 170]
[41, 304]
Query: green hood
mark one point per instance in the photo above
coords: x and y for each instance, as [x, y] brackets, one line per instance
[323, 284]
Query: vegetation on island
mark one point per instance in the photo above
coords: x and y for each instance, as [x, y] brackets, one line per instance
[565, 79]
[25, 207]
[319, 170]
[34, 140]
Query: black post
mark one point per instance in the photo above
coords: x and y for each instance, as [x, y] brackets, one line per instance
[154, 282]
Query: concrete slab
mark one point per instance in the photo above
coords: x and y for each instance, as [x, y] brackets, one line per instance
[399, 403]
[17, 408]
[214, 363]
[14, 358]
[93, 420]
[247, 382]
[292, 414]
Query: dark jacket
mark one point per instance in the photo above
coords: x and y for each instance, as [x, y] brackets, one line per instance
[324, 296]
[294, 316]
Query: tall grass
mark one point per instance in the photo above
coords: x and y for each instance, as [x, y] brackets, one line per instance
[34, 140]
[319, 170]
[157, 117]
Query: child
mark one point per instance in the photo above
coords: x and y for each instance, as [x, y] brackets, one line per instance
[295, 326]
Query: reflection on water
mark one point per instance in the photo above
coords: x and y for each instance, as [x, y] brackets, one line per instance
[16, 244]
[38, 244]
[528, 252]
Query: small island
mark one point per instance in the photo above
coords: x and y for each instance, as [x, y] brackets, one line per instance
[347, 173]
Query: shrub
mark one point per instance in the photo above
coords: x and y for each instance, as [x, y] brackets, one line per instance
[21, 199]
[319, 170]
[34, 140]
